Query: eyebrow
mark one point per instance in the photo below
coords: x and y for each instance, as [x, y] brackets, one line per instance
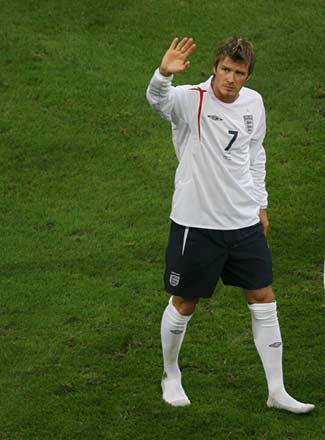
[236, 70]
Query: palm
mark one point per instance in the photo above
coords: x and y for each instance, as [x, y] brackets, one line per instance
[175, 59]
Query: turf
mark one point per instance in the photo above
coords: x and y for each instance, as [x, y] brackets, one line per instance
[86, 180]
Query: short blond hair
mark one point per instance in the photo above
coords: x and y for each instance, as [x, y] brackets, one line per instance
[239, 49]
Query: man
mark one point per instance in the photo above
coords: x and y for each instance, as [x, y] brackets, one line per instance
[218, 215]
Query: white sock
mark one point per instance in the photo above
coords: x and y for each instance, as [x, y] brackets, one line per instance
[268, 341]
[173, 328]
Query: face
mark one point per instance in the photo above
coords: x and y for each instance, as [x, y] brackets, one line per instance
[230, 76]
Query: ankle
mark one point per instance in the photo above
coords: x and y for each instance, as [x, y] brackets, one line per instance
[172, 373]
[277, 392]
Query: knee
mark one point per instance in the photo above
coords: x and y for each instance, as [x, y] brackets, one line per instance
[264, 295]
[187, 308]
[184, 306]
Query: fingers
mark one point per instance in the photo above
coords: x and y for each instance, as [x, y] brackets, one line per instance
[190, 50]
[185, 46]
[174, 43]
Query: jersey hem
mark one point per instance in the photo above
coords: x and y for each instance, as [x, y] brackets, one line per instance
[217, 228]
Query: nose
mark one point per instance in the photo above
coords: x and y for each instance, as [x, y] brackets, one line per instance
[230, 77]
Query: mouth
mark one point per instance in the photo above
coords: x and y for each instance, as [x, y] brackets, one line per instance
[229, 88]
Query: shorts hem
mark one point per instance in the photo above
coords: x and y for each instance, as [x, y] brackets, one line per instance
[189, 296]
[241, 286]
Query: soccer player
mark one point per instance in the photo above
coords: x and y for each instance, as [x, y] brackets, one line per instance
[218, 217]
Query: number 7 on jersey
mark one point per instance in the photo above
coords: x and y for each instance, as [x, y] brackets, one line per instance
[234, 134]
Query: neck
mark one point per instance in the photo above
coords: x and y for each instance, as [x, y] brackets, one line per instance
[220, 96]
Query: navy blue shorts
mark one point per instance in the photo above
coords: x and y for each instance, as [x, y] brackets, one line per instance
[196, 258]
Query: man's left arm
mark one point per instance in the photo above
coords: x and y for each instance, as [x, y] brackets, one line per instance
[257, 168]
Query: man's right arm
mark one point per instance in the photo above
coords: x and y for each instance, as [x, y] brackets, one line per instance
[160, 92]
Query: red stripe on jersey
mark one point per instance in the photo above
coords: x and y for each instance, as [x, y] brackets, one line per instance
[201, 91]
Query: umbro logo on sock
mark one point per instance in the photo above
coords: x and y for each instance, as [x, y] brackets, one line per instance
[176, 332]
[275, 344]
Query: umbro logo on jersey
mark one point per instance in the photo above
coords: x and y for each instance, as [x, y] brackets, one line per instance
[276, 345]
[176, 332]
[215, 117]
[174, 279]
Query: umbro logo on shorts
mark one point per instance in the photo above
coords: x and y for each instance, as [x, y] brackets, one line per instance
[276, 345]
[215, 117]
[174, 279]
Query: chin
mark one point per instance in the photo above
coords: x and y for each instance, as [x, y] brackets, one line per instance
[229, 95]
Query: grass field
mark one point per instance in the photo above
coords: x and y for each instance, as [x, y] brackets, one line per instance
[86, 181]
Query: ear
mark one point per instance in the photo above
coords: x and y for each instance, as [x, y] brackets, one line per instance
[248, 78]
[214, 70]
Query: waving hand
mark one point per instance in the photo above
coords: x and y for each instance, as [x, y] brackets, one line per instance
[175, 59]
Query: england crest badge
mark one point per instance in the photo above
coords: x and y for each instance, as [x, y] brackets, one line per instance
[249, 123]
[174, 279]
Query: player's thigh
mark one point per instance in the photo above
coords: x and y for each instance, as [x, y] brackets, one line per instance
[250, 262]
[193, 262]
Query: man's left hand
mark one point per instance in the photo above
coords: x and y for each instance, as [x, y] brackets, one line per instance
[264, 220]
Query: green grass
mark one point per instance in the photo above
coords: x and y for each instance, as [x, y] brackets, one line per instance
[86, 180]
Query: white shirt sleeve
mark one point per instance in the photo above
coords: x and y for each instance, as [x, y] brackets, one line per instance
[257, 162]
[172, 103]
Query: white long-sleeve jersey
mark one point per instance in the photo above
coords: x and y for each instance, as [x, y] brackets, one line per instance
[220, 179]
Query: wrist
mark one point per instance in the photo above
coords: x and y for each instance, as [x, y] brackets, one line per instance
[163, 72]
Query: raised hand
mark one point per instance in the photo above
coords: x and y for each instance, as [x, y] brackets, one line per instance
[175, 59]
